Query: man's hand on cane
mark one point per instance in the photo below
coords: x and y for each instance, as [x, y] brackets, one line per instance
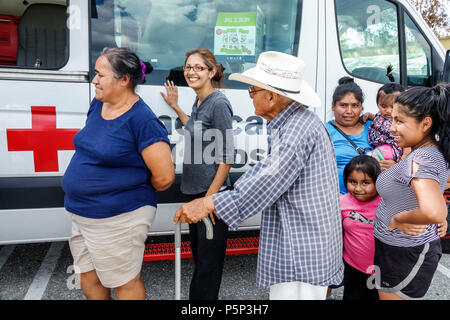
[196, 210]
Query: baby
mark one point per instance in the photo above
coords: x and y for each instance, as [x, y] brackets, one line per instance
[380, 135]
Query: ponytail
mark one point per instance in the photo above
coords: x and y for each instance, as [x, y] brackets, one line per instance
[389, 70]
[443, 114]
[435, 103]
[217, 79]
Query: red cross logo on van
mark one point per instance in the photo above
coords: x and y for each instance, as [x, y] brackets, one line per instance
[44, 139]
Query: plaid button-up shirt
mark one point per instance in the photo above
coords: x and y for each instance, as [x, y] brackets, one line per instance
[296, 188]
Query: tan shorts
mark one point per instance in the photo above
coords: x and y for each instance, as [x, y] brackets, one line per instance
[113, 247]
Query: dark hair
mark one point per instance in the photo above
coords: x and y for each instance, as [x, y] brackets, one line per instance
[389, 88]
[347, 85]
[389, 74]
[210, 60]
[125, 62]
[365, 164]
[421, 102]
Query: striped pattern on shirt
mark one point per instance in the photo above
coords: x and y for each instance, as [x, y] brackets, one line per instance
[296, 188]
[394, 186]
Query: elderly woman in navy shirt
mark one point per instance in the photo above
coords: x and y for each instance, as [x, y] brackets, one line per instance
[122, 156]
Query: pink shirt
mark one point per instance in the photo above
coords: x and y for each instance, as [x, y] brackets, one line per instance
[358, 219]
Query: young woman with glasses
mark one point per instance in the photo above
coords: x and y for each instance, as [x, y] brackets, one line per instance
[206, 173]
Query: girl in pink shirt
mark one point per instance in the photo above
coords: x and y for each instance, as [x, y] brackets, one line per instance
[358, 208]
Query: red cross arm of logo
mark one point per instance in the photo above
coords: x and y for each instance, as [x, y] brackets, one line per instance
[44, 139]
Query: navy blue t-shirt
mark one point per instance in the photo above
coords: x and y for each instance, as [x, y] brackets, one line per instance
[107, 175]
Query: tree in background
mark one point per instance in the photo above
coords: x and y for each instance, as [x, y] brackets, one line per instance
[435, 14]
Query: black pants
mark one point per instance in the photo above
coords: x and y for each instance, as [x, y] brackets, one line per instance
[209, 257]
[355, 285]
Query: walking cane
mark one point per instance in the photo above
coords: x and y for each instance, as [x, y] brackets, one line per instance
[209, 236]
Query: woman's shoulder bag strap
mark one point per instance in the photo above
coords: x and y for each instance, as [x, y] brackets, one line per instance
[360, 151]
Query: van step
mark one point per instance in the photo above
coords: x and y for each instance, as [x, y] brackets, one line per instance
[166, 251]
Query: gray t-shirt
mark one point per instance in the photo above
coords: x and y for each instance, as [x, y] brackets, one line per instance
[394, 186]
[208, 137]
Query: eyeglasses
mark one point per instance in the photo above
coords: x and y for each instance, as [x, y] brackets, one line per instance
[252, 91]
[196, 68]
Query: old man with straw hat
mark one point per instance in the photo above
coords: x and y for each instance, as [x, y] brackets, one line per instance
[295, 188]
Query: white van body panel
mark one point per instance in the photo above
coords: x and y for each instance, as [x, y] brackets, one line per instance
[68, 90]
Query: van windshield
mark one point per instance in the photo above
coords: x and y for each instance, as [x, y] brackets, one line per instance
[161, 32]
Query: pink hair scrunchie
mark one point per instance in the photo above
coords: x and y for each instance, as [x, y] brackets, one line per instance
[144, 68]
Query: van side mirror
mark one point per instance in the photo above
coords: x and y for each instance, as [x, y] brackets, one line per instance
[446, 71]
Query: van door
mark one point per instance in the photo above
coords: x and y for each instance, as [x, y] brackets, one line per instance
[44, 90]
[366, 39]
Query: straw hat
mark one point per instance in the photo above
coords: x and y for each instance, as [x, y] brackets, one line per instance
[280, 73]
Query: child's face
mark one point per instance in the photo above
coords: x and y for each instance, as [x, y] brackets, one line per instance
[361, 186]
[386, 103]
[407, 131]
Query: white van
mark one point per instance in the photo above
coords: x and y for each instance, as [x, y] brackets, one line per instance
[48, 49]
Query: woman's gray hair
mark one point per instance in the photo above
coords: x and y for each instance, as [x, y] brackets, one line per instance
[125, 62]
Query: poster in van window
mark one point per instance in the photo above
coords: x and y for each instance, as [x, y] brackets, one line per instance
[238, 34]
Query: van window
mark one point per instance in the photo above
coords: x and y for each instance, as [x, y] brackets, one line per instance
[161, 32]
[33, 34]
[418, 55]
[368, 37]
